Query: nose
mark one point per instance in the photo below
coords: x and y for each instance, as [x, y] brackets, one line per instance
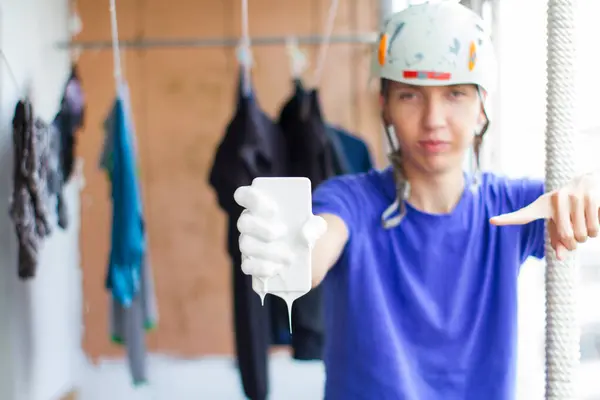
[434, 116]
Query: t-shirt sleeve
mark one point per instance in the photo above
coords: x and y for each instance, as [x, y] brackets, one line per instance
[336, 196]
[521, 193]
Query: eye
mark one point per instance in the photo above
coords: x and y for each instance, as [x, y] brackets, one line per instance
[457, 93]
[406, 96]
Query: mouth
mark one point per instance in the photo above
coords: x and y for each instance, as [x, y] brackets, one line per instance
[434, 146]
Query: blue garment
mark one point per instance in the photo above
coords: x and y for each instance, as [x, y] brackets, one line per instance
[128, 243]
[427, 310]
[352, 153]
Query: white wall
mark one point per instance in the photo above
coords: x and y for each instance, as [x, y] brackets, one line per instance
[41, 319]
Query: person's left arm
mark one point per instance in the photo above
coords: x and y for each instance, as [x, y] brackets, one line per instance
[572, 212]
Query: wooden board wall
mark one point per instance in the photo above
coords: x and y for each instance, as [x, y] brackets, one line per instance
[182, 98]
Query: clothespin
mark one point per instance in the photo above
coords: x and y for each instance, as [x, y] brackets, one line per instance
[244, 55]
[75, 25]
[75, 54]
[298, 60]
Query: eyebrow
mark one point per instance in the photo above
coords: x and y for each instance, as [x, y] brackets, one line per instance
[400, 85]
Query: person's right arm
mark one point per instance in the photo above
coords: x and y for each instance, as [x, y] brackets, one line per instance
[336, 201]
[329, 247]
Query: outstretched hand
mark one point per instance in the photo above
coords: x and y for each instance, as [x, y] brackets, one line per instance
[572, 213]
[264, 254]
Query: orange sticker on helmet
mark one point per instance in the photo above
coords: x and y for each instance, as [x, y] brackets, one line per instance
[472, 56]
[383, 43]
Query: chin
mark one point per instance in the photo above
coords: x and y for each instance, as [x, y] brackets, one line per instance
[435, 166]
[440, 164]
[439, 171]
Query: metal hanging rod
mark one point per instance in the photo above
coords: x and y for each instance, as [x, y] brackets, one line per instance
[362, 38]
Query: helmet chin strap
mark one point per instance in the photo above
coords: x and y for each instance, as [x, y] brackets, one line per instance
[478, 139]
[394, 214]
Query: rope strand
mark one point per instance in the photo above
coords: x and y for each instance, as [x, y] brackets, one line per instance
[245, 47]
[115, 44]
[329, 26]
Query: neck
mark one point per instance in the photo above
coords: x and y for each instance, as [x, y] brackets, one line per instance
[435, 194]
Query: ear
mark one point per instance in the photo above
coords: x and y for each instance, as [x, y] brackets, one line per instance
[481, 118]
[482, 94]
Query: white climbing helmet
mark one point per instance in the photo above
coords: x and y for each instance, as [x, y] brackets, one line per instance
[434, 44]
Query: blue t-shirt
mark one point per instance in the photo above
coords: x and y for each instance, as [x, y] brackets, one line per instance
[426, 310]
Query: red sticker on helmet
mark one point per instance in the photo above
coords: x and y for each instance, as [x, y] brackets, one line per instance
[438, 76]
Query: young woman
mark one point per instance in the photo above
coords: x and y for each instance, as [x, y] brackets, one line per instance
[420, 287]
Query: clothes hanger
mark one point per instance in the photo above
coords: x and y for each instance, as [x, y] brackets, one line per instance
[75, 55]
[22, 91]
[12, 75]
[329, 26]
[298, 60]
[244, 54]
[75, 26]
[117, 70]
[244, 57]
[318, 74]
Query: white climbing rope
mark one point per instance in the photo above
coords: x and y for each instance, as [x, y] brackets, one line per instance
[562, 329]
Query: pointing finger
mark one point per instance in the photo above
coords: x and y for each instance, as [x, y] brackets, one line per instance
[540, 208]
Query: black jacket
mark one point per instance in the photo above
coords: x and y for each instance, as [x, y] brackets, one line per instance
[252, 147]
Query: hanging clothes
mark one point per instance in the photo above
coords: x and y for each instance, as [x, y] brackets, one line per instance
[317, 151]
[69, 120]
[311, 155]
[28, 204]
[55, 175]
[351, 154]
[252, 147]
[341, 164]
[59, 138]
[337, 151]
[133, 305]
[128, 244]
[306, 135]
